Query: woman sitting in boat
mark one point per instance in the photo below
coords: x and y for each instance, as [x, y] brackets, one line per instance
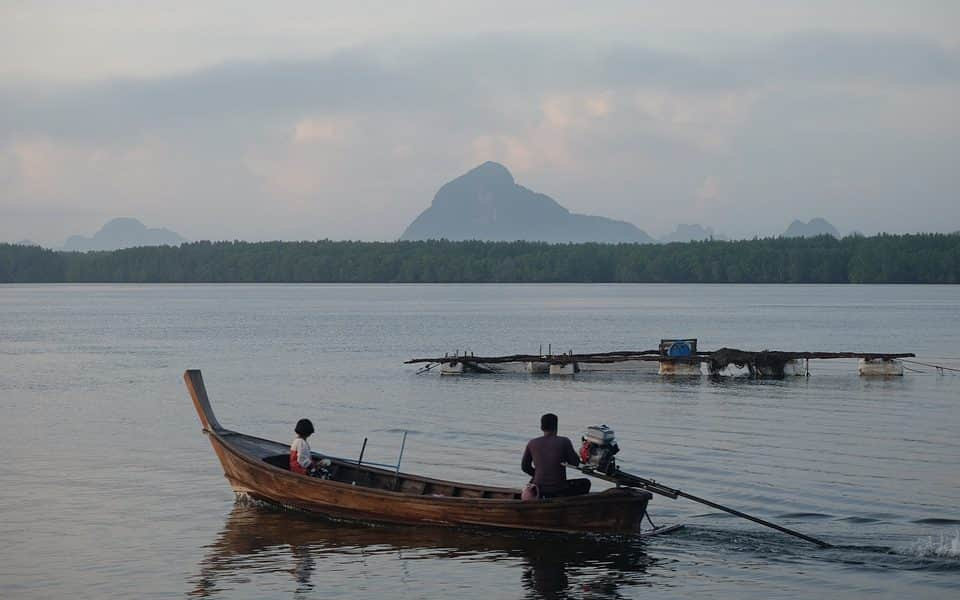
[301, 460]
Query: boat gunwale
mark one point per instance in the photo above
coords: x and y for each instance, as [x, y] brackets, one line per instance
[611, 495]
[373, 468]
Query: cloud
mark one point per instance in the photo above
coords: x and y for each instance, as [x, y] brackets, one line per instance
[355, 143]
[455, 77]
[848, 57]
[348, 81]
[638, 65]
[321, 130]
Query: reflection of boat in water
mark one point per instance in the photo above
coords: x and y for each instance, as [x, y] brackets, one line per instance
[311, 554]
[259, 468]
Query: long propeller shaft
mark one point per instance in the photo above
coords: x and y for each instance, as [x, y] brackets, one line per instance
[625, 479]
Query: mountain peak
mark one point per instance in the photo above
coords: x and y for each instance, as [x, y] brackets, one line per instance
[491, 173]
[123, 232]
[816, 226]
[486, 203]
[123, 224]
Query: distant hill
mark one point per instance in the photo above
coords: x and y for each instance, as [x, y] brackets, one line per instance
[690, 233]
[487, 204]
[815, 227]
[120, 233]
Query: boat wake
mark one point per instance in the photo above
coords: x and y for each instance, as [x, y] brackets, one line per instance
[930, 547]
[935, 553]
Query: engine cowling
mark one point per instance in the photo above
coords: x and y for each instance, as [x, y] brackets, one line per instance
[598, 449]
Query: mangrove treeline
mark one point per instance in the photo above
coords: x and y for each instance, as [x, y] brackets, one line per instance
[919, 258]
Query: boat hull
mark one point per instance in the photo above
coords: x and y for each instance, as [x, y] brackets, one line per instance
[612, 511]
[259, 468]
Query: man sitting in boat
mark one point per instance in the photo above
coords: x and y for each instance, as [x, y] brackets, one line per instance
[301, 460]
[543, 460]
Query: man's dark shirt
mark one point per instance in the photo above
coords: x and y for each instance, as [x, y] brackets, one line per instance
[547, 453]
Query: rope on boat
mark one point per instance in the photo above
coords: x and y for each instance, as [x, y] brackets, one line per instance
[646, 513]
[427, 368]
[940, 368]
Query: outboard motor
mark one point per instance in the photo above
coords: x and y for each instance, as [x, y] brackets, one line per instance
[599, 446]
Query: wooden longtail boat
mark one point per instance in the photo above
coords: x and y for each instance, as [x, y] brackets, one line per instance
[259, 468]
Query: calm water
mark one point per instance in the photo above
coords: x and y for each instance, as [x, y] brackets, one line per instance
[109, 490]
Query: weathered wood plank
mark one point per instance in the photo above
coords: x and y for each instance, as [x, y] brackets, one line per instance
[734, 355]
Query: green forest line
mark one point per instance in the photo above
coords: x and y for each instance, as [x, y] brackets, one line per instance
[916, 258]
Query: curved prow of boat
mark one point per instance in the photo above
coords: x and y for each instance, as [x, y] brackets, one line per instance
[198, 391]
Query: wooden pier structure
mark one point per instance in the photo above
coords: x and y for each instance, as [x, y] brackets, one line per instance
[676, 357]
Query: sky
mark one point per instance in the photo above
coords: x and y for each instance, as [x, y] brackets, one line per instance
[312, 120]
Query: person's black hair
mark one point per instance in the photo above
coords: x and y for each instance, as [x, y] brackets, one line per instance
[304, 428]
[548, 422]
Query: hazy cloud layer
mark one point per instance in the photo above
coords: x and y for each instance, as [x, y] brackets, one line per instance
[860, 128]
